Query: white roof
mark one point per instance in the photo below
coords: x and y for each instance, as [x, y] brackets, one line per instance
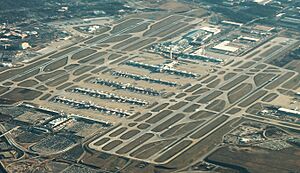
[211, 29]
[263, 2]
[249, 38]
[224, 47]
[289, 111]
[232, 23]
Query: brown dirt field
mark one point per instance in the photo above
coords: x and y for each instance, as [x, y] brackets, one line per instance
[221, 72]
[42, 88]
[191, 108]
[260, 66]
[270, 51]
[44, 77]
[253, 54]
[83, 53]
[92, 57]
[135, 143]
[257, 160]
[234, 111]
[119, 60]
[178, 33]
[254, 70]
[140, 44]
[191, 98]
[262, 78]
[8, 83]
[279, 80]
[237, 70]
[28, 83]
[111, 145]
[193, 88]
[99, 61]
[293, 65]
[104, 161]
[63, 86]
[253, 98]
[143, 117]
[214, 83]
[178, 105]
[124, 25]
[3, 89]
[58, 81]
[174, 6]
[26, 76]
[45, 97]
[180, 95]
[237, 63]
[228, 76]
[189, 19]
[185, 86]
[125, 43]
[198, 13]
[162, 23]
[139, 28]
[173, 151]
[95, 39]
[129, 134]
[103, 30]
[71, 66]
[211, 78]
[113, 56]
[247, 64]
[55, 65]
[270, 97]
[255, 108]
[201, 91]
[118, 132]
[170, 30]
[83, 70]
[238, 92]
[202, 114]
[166, 124]
[200, 133]
[147, 150]
[10, 73]
[143, 126]
[159, 116]
[293, 83]
[210, 97]
[235, 82]
[257, 59]
[217, 105]
[272, 71]
[160, 107]
[130, 117]
[20, 94]
[286, 92]
[101, 141]
[132, 124]
[181, 129]
[64, 52]
[80, 78]
[117, 38]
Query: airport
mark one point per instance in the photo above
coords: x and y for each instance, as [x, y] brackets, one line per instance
[164, 90]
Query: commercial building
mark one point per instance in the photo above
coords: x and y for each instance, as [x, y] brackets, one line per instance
[224, 46]
[289, 112]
